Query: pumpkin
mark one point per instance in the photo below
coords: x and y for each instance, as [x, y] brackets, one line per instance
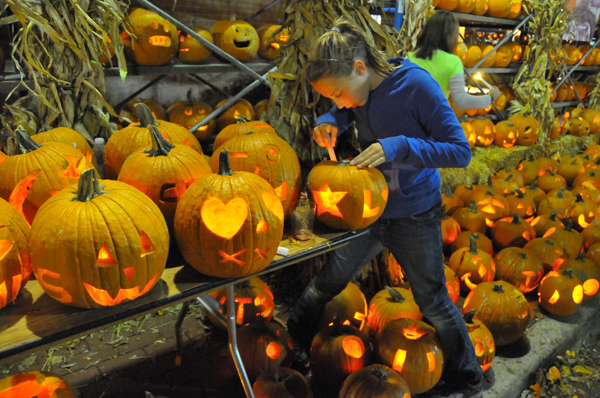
[485, 50]
[482, 340]
[485, 130]
[375, 381]
[464, 192]
[473, 56]
[549, 162]
[507, 185]
[448, 5]
[494, 206]
[451, 203]
[390, 304]
[452, 284]
[261, 108]
[579, 127]
[583, 212]
[190, 114]
[593, 253]
[411, 348]
[130, 111]
[556, 128]
[450, 229]
[154, 40]
[591, 234]
[544, 222]
[519, 267]
[192, 51]
[502, 308]
[237, 38]
[499, 8]
[164, 172]
[67, 136]
[472, 265]
[464, 240]
[35, 384]
[347, 197]
[336, 352]
[242, 126]
[534, 193]
[272, 38]
[229, 224]
[269, 157]
[263, 346]
[560, 292]
[509, 173]
[350, 306]
[550, 181]
[550, 253]
[511, 231]
[37, 171]
[522, 206]
[470, 133]
[137, 136]
[15, 267]
[587, 271]
[281, 382]
[528, 128]
[115, 250]
[570, 167]
[481, 7]
[470, 218]
[504, 55]
[573, 55]
[506, 134]
[568, 238]
[230, 116]
[588, 179]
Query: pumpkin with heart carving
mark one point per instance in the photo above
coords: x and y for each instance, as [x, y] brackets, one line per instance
[229, 224]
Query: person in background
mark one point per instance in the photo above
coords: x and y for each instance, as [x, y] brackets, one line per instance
[435, 54]
[408, 130]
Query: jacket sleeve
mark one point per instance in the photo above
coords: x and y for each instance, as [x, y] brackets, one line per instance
[464, 100]
[341, 118]
[442, 142]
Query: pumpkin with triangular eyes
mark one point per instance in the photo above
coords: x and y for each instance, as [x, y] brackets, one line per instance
[98, 244]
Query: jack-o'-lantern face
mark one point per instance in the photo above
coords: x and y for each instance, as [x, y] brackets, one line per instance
[237, 38]
[560, 292]
[155, 41]
[191, 50]
[271, 40]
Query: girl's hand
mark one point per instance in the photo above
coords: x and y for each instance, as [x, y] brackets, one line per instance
[325, 132]
[370, 157]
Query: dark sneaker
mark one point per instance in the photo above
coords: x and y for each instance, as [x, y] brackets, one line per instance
[300, 360]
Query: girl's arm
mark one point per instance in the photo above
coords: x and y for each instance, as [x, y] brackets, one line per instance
[464, 100]
[341, 118]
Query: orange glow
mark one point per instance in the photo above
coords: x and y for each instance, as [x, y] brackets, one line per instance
[273, 350]
[481, 271]
[160, 41]
[479, 349]
[526, 235]
[431, 361]
[261, 254]
[262, 227]
[238, 155]
[232, 257]
[529, 275]
[19, 194]
[273, 203]
[581, 221]
[590, 287]
[489, 222]
[549, 232]
[5, 246]
[105, 257]
[327, 200]
[275, 45]
[281, 191]
[353, 347]
[33, 388]
[224, 220]
[577, 294]
[367, 210]
[102, 297]
[557, 263]
[554, 298]
[241, 309]
[147, 246]
[3, 294]
[129, 272]
[466, 279]
[399, 360]
[413, 334]
[74, 167]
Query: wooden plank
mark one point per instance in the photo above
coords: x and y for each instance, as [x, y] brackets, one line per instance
[35, 319]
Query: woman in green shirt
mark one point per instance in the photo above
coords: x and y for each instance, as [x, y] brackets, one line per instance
[434, 53]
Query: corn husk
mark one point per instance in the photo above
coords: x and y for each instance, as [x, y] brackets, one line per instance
[416, 14]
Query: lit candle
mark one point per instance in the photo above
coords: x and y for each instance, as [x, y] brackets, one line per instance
[480, 78]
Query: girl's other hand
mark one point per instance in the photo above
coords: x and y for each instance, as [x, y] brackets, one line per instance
[373, 156]
[325, 132]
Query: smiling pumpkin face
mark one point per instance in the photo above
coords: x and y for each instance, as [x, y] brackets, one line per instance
[237, 38]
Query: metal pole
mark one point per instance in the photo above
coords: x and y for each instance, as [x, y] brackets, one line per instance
[265, 8]
[574, 67]
[498, 112]
[205, 42]
[233, 347]
[217, 112]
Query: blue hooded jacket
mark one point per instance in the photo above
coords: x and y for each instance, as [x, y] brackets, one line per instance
[411, 118]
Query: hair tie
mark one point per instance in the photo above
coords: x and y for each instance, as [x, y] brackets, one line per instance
[336, 29]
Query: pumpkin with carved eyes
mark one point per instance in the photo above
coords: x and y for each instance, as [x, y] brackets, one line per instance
[242, 108]
[15, 268]
[520, 267]
[189, 113]
[114, 250]
[191, 51]
[482, 339]
[229, 224]
[242, 126]
[269, 157]
[137, 136]
[561, 292]
[36, 172]
[511, 231]
[35, 384]
[164, 172]
[472, 265]
[350, 306]
[67, 136]
[154, 40]
[237, 38]
[551, 253]
[347, 197]
[272, 38]
[587, 271]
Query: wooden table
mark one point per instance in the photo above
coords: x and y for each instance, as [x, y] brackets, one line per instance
[36, 320]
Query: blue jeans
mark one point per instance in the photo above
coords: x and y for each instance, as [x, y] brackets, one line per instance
[416, 242]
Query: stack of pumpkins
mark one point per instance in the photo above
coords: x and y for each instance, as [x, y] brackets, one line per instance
[516, 130]
[510, 9]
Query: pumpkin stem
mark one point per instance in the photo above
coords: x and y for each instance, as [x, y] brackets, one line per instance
[337, 326]
[190, 101]
[515, 219]
[552, 216]
[160, 146]
[242, 119]
[224, 166]
[569, 225]
[522, 255]
[498, 289]
[381, 373]
[260, 323]
[396, 296]
[24, 142]
[519, 194]
[568, 272]
[472, 244]
[578, 198]
[533, 184]
[89, 186]
[509, 177]
[145, 115]
[580, 257]
[473, 207]
[468, 317]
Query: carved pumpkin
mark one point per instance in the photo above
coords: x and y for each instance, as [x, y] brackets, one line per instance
[485, 50]
[469, 133]
[482, 339]
[272, 38]
[511, 231]
[504, 55]
[550, 181]
[375, 381]
[241, 127]
[448, 5]
[137, 136]
[281, 382]
[470, 218]
[506, 134]
[499, 8]
[587, 271]
[521, 205]
[579, 127]
[591, 234]
[67, 136]
[237, 38]
[130, 111]
[347, 197]
[550, 253]
[390, 304]
[35, 384]
[528, 128]
[542, 223]
[253, 297]
[269, 157]
[560, 292]
[592, 117]
[15, 267]
[464, 240]
[507, 185]
[451, 203]
[519, 267]
[583, 212]
[336, 352]
[450, 229]
[452, 284]
[36, 172]
[350, 306]
[115, 250]
[588, 179]
[191, 51]
[502, 308]
[568, 238]
[164, 172]
[190, 114]
[154, 40]
[473, 56]
[485, 130]
[472, 265]
[411, 348]
[492, 205]
[534, 193]
[229, 224]
[481, 7]
[242, 108]
[570, 167]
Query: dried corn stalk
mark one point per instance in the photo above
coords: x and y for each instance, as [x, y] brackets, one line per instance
[531, 85]
[294, 105]
[416, 14]
[59, 47]
[594, 96]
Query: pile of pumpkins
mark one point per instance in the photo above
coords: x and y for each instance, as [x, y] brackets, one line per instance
[153, 40]
[510, 9]
[471, 54]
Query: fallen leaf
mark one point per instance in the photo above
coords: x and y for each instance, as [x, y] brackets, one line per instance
[581, 369]
[553, 374]
[537, 390]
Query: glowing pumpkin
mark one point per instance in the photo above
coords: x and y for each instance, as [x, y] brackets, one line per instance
[506, 134]
[560, 292]
[191, 51]
[472, 265]
[272, 38]
[587, 271]
[390, 304]
[237, 38]
[511, 231]
[485, 131]
[252, 297]
[242, 108]
[482, 339]
[550, 253]
[67, 136]
[350, 306]
[519, 267]
[35, 384]
[190, 113]
[115, 250]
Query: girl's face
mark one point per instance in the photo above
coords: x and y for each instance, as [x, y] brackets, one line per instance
[348, 91]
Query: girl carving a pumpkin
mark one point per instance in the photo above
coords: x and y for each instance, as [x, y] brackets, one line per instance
[409, 130]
